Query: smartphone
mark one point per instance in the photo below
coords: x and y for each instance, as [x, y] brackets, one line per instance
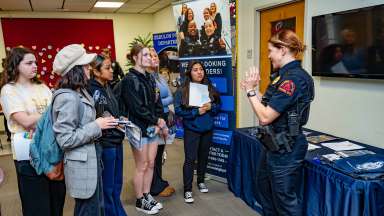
[123, 122]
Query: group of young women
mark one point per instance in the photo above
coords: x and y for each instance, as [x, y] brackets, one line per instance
[85, 115]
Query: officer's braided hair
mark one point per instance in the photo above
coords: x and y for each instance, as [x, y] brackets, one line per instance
[288, 38]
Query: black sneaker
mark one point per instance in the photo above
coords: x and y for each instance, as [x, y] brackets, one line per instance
[152, 201]
[144, 206]
[202, 188]
[188, 197]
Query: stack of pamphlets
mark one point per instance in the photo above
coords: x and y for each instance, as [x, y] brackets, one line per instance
[354, 153]
[320, 138]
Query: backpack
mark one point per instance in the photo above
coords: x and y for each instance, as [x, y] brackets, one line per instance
[117, 91]
[45, 153]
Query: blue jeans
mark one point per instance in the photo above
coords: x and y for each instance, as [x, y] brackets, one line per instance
[279, 179]
[113, 180]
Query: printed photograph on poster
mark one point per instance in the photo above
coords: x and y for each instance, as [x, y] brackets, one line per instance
[165, 44]
[203, 28]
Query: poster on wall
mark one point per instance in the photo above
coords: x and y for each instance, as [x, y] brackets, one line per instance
[164, 40]
[205, 32]
[203, 28]
[45, 37]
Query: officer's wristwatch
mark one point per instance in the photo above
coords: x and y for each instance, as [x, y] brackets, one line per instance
[251, 93]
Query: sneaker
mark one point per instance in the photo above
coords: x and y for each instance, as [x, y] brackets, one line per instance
[152, 201]
[188, 197]
[144, 206]
[202, 188]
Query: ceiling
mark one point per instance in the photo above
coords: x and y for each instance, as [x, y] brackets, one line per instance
[129, 6]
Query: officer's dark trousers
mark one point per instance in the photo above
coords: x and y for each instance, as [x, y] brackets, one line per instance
[279, 180]
[39, 195]
[196, 146]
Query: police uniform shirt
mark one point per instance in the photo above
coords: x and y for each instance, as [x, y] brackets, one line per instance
[289, 87]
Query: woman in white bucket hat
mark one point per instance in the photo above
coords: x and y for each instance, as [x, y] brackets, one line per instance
[76, 128]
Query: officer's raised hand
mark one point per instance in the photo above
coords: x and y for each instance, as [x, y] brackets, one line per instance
[252, 79]
[265, 114]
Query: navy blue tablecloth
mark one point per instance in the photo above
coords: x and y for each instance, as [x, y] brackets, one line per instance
[327, 191]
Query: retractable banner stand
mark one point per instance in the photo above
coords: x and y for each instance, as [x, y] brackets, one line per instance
[206, 33]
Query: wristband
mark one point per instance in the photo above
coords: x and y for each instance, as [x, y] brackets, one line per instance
[251, 93]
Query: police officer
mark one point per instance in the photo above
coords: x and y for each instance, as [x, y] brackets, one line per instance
[282, 112]
[190, 45]
[212, 44]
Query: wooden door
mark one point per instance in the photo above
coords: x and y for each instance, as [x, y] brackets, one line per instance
[289, 16]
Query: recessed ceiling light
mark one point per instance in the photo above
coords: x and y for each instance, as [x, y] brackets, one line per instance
[103, 4]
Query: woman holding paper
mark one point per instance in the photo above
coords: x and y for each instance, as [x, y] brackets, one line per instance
[198, 123]
[24, 98]
[142, 99]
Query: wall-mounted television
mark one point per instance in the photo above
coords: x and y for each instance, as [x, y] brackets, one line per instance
[349, 43]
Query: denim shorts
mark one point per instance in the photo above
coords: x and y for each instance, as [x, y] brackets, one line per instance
[147, 140]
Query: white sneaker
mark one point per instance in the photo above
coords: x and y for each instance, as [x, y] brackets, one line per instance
[202, 188]
[188, 197]
[152, 201]
[146, 207]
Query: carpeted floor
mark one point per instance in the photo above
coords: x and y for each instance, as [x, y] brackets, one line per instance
[219, 200]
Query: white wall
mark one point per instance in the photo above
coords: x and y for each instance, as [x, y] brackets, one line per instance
[125, 26]
[248, 39]
[349, 108]
[164, 21]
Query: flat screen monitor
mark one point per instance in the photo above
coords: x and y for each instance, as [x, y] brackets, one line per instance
[349, 43]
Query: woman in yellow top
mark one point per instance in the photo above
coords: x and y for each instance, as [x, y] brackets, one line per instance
[24, 98]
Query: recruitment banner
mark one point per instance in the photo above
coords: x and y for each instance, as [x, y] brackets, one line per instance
[162, 41]
[205, 34]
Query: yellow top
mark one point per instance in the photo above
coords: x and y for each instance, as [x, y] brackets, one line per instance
[17, 98]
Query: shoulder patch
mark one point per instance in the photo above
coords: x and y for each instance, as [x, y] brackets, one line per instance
[287, 87]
